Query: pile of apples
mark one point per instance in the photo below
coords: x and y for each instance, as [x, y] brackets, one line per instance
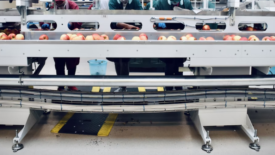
[169, 38]
[235, 38]
[8, 31]
[267, 38]
[11, 36]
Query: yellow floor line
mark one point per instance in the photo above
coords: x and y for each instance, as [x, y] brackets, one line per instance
[107, 126]
[62, 122]
[160, 89]
[95, 89]
[141, 89]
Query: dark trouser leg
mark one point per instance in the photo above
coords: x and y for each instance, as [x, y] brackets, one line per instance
[169, 70]
[60, 67]
[122, 68]
[72, 70]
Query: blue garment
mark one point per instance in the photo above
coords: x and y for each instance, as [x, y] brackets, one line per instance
[162, 25]
[45, 26]
[29, 24]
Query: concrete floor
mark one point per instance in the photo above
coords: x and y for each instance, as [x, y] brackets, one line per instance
[162, 134]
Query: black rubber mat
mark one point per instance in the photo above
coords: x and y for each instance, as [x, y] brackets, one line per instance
[82, 123]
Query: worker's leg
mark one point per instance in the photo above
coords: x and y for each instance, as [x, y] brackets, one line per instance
[60, 69]
[168, 69]
[71, 64]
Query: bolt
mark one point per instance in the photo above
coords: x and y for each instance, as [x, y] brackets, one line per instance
[16, 133]
[207, 134]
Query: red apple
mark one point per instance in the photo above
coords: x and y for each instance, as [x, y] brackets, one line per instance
[43, 37]
[162, 38]
[90, 37]
[70, 35]
[189, 35]
[64, 37]
[229, 38]
[183, 38]
[272, 38]
[206, 27]
[210, 38]
[78, 38]
[236, 38]
[243, 39]
[116, 36]
[249, 28]
[142, 35]
[202, 38]
[12, 36]
[80, 34]
[105, 37]
[135, 38]
[4, 37]
[121, 38]
[266, 38]
[192, 38]
[96, 36]
[171, 38]
[73, 36]
[252, 36]
[226, 36]
[19, 37]
[253, 39]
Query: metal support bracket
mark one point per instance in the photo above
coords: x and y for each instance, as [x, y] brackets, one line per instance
[232, 16]
[23, 12]
[32, 119]
[223, 117]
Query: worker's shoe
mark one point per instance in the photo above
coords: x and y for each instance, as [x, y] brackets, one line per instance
[72, 88]
[60, 89]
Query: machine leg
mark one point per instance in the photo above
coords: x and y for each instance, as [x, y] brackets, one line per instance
[32, 119]
[234, 116]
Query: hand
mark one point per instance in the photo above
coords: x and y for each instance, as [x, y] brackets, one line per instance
[70, 26]
[127, 26]
[45, 26]
[162, 25]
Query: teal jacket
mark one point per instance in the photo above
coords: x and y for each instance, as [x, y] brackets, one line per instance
[163, 5]
[135, 5]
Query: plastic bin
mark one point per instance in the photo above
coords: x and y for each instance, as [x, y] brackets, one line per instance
[98, 67]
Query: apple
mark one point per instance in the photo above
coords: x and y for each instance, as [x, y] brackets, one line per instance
[96, 36]
[89, 37]
[143, 38]
[243, 39]
[12, 36]
[73, 36]
[249, 28]
[64, 37]
[78, 38]
[266, 38]
[210, 38]
[1, 34]
[183, 38]
[70, 35]
[19, 37]
[135, 38]
[252, 36]
[189, 35]
[80, 34]
[229, 38]
[253, 39]
[7, 31]
[206, 27]
[171, 38]
[116, 36]
[142, 35]
[192, 38]
[162, 38]
[272, 38]
[105, 37]
[43, 37]
[4, 37]
[237, 38]
[226, 36]
[202, 38]
[121, 38]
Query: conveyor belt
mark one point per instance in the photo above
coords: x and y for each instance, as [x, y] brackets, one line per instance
[136, 101]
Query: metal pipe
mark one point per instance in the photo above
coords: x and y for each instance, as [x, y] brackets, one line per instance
[136, 81]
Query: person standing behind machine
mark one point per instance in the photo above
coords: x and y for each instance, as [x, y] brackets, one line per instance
[60, 63]
[122, 64]
[172, 64]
